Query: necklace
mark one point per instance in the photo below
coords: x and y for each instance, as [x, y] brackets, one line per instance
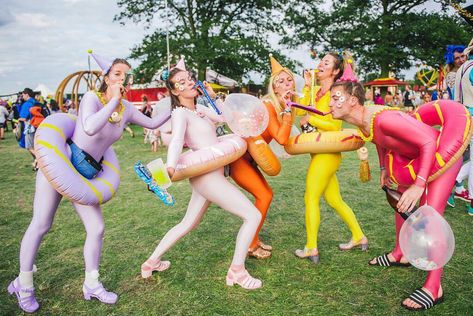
[186, 109]
[371, 135]
[116, 117]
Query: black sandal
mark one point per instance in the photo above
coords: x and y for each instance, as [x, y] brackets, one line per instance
[421, 297]
[384, 261]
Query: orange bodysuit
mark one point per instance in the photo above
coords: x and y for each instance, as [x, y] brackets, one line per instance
[247, 175]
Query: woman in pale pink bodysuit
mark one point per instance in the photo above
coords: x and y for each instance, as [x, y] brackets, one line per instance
[194, 125]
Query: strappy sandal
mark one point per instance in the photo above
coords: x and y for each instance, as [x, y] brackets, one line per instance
[383, 261]
[99, 293]
[259, 253]
[149, 266]
[243, 279]
[421, 297]
[362, 243]
[309, 254]
[264, 246]
[28, 304]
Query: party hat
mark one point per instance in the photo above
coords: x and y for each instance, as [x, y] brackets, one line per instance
[180, 64]
[348, 74]
[275, 65]
[104, 63]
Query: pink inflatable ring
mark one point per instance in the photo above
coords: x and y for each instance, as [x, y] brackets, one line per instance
[53, 155]
[452, 140]
[195, 163]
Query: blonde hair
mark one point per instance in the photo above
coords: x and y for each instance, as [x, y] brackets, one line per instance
[272, 97]
[469, 50]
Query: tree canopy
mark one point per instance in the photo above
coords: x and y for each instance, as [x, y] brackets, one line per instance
[385, 35]
[231, 37]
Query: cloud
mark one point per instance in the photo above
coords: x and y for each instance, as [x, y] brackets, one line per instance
[6, 17]
[34, 20]
[44, 41]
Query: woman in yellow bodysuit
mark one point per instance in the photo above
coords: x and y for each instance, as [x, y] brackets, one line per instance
[321, 175]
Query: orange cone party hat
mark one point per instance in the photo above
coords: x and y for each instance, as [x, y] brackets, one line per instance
[275, 65]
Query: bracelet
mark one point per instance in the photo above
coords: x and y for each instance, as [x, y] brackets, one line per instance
[382, 168]
[422, 178]
[286, 111]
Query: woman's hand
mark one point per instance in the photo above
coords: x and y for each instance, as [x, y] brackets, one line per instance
[304, 120]
[287, 97]
[308, 77]
[210, 90]
[171, 171]
[409, 198]
[116, 89]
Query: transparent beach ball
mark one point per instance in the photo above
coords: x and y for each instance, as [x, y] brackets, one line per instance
[249, 116]
[426, 239]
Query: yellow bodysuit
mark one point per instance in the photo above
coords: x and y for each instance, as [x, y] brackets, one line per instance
[322, 178]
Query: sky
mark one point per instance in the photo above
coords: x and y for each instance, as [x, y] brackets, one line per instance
[44, 41]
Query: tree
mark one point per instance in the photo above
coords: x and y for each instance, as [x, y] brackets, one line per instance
[231, 37]
[384, 35]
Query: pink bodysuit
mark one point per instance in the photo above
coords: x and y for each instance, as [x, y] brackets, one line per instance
[410, 152]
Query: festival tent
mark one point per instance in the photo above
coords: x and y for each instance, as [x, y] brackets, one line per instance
[391, 83]
[150, 90]
[212, 76]
[45, 91]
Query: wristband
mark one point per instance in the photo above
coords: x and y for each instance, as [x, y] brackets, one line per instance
[422, 178]
[286, 111]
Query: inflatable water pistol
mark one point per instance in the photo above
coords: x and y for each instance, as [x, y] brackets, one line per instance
[156, 178]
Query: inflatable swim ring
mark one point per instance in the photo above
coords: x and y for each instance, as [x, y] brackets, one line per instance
[452, 140]
[195, 163]
[324, 142]
[53, 157]
[264, 157]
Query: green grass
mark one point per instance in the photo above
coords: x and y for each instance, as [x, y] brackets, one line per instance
[342, 284]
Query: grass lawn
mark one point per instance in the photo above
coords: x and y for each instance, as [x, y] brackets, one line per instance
[342, 284]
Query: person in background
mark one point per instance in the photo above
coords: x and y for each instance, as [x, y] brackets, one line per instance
[3, 118]
[378, 100]
[408, 98]
[147, 110]
[389, 98]
[53, 106]
[427, 98]
[72, 108]
[24, 119]
[454, 58]
[464, 94]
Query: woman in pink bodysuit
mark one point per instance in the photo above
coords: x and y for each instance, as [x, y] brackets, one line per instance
[194, 125]
[408, 155]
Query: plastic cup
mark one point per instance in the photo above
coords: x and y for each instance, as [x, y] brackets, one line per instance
[159, 173]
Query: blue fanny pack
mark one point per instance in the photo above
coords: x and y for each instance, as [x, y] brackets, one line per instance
[87, 166]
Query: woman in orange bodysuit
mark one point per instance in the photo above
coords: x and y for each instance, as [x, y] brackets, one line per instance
[244, 171]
